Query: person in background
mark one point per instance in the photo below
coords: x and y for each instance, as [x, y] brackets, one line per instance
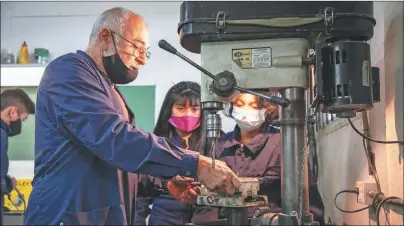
[87, 147]
[15, 107]
[253, 150]
[181, 122]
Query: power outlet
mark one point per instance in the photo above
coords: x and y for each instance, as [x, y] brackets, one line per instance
[364, 188]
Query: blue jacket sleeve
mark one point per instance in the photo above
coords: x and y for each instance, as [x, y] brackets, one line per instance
[82, 110]
[4, 161]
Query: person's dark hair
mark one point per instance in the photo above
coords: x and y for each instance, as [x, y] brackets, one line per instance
[262, 102]
[18, 98]
[180, 93]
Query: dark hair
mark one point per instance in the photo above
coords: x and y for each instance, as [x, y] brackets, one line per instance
[18, 98]
[180, 93]
[263, 103]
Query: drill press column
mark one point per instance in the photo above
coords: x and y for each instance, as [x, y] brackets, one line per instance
[294, 165]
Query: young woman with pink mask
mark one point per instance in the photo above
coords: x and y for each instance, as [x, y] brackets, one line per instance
[182, 123]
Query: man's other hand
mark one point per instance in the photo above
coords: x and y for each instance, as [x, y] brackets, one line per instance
[181, 181]
[14, 183]
[184, 194]
[219, 178]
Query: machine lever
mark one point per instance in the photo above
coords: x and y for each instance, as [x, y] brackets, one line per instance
[163, 44]
[169, 48]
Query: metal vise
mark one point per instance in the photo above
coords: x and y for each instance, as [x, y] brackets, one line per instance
[246, 196]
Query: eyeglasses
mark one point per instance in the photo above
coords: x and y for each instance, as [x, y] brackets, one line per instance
[140, 49]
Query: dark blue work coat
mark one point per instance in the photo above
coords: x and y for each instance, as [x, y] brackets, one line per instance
[86, 151]
[4, 130]
[166, 209]
[260, 159]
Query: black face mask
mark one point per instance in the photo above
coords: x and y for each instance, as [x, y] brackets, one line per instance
[117, 70]
[15, 128]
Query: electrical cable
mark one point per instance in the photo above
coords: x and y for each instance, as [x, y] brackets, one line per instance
[372, 166]
[369, 138]
[353, 191]
[380, 206]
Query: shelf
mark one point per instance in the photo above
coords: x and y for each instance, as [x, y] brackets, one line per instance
[22, 65]
[21, 74]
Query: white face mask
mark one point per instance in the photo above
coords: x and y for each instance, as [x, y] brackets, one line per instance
[248, 119]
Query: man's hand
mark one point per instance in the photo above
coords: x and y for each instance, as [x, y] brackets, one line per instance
[181, 181]
[14, 183]
[183, 192]
[221, 177]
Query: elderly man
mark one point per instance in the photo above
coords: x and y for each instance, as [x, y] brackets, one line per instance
[87, 148]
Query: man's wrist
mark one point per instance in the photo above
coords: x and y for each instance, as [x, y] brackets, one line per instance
[190, 164]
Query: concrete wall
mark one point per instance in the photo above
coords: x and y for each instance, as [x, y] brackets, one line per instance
[342, 158]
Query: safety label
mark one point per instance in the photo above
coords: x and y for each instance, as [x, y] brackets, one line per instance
[365, 73]
[17, 203]
[253, 57]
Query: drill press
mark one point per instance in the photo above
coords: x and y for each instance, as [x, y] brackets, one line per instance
[255, 46]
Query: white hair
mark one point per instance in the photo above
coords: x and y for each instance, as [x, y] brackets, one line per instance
[114, 19]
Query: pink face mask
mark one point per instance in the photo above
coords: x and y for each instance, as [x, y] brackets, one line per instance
[185, 123]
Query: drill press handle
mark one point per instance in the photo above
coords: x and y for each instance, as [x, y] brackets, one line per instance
[224, 84]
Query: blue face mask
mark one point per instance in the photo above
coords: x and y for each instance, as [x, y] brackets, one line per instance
[15, 128]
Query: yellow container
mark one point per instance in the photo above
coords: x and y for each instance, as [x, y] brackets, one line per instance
[17, 204]
[24, 56]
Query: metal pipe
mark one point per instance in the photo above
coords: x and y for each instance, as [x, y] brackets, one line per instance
[237, 216]
[292, 151]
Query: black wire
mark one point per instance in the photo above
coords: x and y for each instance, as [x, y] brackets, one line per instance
[380, 207]
[369, 138]
[374, 200]
[349, 211]
[372, 166]
[386, 216]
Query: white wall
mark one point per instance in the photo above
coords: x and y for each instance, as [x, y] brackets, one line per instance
[63, 27]
[341, 155]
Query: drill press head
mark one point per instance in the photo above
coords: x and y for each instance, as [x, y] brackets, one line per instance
[268, 47]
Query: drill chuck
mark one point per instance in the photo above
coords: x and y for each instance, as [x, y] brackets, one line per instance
[213, 125]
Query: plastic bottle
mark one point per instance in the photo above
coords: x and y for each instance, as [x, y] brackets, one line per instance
[24, 56]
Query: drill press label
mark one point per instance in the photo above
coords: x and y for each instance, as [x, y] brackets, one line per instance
[252, 58]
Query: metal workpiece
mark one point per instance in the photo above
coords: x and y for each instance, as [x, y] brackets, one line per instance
[294, 173]
[246, 196]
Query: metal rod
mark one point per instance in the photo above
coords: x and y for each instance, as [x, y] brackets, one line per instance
[284, 102]
[212, 76]
[237, 216]
[292, 153]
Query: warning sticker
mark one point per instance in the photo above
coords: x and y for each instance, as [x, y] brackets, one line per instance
[365, 73]
[17, 203]
[252, 58]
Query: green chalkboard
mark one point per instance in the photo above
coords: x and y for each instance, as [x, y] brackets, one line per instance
[141, 99]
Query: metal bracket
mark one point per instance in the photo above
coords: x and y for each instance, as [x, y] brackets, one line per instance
[292, 121]
[328, 20]
[220, 23]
